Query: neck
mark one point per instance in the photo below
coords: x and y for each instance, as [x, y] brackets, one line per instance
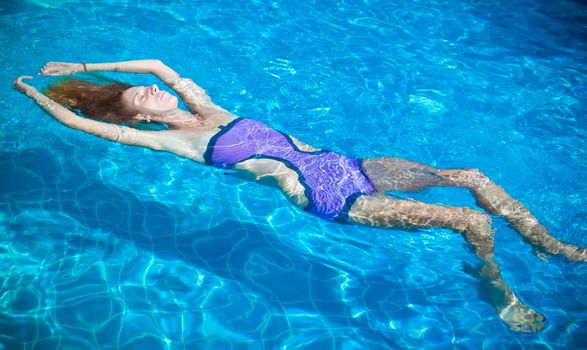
[179, 119]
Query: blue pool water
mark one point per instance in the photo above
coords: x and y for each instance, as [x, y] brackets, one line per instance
[108, 246]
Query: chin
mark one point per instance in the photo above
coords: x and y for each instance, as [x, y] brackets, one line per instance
[175, 103]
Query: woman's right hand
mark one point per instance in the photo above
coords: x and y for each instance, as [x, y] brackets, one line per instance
[24, 87]
[61, 68]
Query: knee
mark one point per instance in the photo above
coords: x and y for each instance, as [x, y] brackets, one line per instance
[471, 178]
[479, 233]
[474, 174]
[477, 175]
[477, 222]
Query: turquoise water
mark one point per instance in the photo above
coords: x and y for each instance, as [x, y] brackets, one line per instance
[108, 246]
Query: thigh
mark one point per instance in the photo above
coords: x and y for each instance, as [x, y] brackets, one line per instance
[382, 211]
[388, 173]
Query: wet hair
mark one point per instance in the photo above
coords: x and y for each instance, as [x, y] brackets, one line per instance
[101, 101]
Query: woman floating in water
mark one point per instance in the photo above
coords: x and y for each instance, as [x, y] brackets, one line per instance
[324, 183]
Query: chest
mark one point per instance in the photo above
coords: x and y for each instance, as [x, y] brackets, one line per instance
[191, 144]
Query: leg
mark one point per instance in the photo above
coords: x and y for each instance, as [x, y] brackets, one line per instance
[388, 173]
[383, 211]
[496, 200]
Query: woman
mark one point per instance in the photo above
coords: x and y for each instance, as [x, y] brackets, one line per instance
[321, 182]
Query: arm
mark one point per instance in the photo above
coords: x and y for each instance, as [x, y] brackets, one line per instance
[108, 131]
[194, 96]
[156, 67]
[197, 99]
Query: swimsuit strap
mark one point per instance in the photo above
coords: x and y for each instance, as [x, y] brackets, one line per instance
[223, 130]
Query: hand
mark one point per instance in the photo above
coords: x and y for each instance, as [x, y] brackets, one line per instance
[24, 87]
[143, 117]
[61, 68]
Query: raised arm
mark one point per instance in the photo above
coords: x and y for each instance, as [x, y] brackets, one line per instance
[197, 99]
[156, 67]
[193, 95]
[108, 131]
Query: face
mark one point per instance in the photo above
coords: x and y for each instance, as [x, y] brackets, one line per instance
[149, 100]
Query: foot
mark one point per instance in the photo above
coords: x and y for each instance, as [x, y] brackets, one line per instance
[521, 318]
[574, 253]
[543, 242]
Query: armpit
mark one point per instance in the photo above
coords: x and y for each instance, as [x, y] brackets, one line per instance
[304, 147]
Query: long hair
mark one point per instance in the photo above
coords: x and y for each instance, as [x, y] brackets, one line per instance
[98, 101]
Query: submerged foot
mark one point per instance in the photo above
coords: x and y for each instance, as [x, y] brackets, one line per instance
[574, 253]
[543, 242]
[521, 318]
[571, 252]
[555, 247]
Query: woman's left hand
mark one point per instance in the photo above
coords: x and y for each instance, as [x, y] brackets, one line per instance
[24, 87]
[61, 68]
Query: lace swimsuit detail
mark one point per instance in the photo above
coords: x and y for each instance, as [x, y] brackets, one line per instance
[332, 182]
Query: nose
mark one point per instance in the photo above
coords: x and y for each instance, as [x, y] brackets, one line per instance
[154, 89]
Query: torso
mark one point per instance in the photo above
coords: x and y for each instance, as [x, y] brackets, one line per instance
[262, 154]
[192, 142]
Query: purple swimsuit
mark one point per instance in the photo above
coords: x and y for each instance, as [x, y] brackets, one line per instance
[332, 182]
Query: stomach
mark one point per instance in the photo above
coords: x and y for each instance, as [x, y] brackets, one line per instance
[274, 173]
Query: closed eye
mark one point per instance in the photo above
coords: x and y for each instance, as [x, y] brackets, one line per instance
[139, 98]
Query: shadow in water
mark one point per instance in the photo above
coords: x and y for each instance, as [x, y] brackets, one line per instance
[35, 181]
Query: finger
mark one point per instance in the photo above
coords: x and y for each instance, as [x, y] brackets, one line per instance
[50, 72]
[48, 68]
[20, 79]
[45, 70]
[18, 84]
